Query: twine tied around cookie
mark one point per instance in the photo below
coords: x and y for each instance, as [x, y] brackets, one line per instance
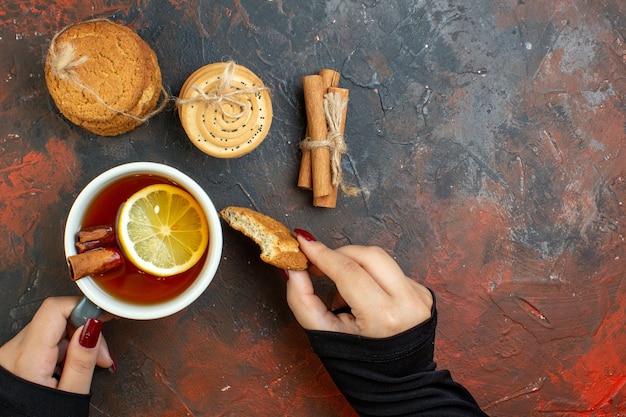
[334, 106]
[63, 63]
[224, 95]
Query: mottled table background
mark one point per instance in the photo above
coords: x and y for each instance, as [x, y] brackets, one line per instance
[490, 134]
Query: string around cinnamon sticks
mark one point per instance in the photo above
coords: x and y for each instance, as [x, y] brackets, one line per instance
[329, 79]
[326, 107]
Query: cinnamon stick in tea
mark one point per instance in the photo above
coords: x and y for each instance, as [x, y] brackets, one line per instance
[330, 78]
[94, 262]
[341, 98]
[94, 237]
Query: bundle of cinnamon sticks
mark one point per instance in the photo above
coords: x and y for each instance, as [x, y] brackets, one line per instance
[326, 106]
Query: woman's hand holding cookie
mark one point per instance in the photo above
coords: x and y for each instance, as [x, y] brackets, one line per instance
[382, 300]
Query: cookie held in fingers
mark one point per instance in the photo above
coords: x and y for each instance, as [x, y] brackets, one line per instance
[279, 246]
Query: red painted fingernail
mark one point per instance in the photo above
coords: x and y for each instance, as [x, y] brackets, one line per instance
[90, 334]
[308, 236]
[285, 274]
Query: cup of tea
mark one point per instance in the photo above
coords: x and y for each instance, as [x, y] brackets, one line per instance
[125, 291]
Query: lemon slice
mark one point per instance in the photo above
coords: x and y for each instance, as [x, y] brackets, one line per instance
[162, 230]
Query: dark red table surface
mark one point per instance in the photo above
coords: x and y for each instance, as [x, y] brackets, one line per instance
[490, 134]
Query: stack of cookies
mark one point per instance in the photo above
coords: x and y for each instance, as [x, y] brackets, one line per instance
[103, 76]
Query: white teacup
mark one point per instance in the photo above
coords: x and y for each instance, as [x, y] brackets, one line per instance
[97, 297]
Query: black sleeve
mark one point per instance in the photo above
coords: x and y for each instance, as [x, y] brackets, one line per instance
[393, 376]
[21, 398]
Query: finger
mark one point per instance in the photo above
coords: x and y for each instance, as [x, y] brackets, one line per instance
[354, 283]
[47, 328]
[308, 308]
[80, 360]
[379, 265]
[105, 360]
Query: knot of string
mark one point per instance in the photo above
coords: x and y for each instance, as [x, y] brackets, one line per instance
[63, 62]
[224, 96]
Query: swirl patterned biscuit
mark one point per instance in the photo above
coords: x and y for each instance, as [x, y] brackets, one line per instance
[225, 109]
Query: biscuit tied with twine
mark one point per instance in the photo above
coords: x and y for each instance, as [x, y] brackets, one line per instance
[69, 55]
[223, 94]
[225, 109]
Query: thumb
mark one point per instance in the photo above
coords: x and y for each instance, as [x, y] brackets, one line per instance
[81, 357]
[308, 308]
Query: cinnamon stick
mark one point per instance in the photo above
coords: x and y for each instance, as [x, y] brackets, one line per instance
[305, 180]
[94, 262]
[330, 200]
[316, 122]
[330, 78]
[94, 237]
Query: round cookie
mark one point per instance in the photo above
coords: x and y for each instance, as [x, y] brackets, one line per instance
[103, 76]
[225, 109]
